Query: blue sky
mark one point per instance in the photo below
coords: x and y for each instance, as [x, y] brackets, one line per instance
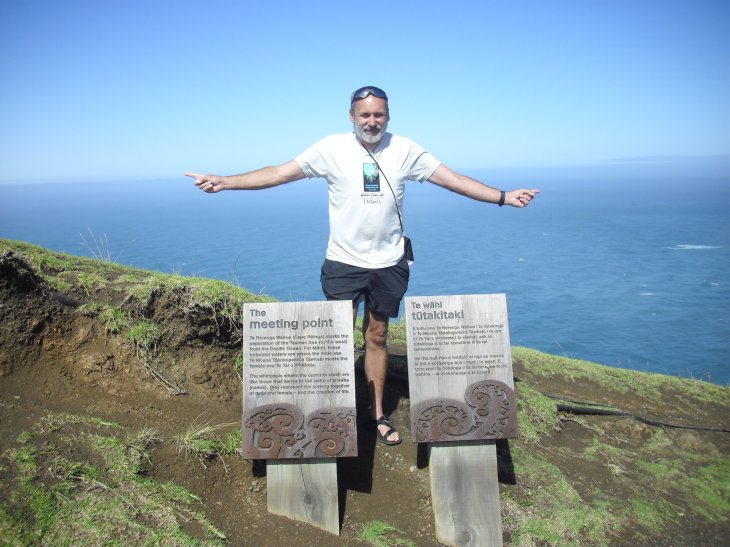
[92, 89]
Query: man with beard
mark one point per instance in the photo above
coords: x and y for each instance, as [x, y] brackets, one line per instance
[366, 257]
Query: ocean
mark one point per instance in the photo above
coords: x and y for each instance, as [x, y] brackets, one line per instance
[626, 272]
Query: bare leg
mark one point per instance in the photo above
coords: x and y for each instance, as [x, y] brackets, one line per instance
[375, 332]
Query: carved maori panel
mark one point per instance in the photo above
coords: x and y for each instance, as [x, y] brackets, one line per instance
[488, 411]
[278, 431]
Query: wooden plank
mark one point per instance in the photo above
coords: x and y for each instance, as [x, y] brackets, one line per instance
[462, 398]
[460, 368]
[304, 490]
[299, 403]
[465, 493]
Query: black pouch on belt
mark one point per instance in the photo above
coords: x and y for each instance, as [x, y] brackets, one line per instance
[409, 248]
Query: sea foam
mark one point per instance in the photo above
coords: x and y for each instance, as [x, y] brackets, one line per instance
[693, 247]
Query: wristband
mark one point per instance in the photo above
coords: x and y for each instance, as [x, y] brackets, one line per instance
[501, 198]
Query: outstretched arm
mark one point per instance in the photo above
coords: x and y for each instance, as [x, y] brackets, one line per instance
[253, 180]
[466, 186]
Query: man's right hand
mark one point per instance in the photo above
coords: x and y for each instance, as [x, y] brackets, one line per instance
[207, 183]
[266, 177]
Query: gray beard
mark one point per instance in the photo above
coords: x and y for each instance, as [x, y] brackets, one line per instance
[369, 138]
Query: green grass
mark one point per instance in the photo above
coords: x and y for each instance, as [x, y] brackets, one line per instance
[704, 478]
[63, 271]
[89, 309]
[114, 319]
[222, 300]
[10, 531]
[145, 335]
[202, 441]
[650, 514]
[711, 490]
[357, 336]
[649, 386]
[49, 263]
[551, 511]
[24, 437]
[380, 533]
[396, 333]
[25, 458]
[90, 282]
[80, 483]
[536, 414]
[554, 513]
[55, 421]
[238, 365]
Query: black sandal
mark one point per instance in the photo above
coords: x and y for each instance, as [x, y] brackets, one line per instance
[384, 438]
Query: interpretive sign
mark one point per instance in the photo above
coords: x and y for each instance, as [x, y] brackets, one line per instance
[298, 380]
[460, 368]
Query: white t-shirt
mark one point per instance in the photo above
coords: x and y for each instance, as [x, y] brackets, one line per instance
[364, 226]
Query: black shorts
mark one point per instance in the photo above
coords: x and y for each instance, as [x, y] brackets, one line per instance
[381, 288]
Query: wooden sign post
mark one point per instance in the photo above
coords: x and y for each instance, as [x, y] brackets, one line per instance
[299, 403]
[462, 399]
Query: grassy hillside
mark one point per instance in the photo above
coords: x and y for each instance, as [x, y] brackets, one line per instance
[120, 400]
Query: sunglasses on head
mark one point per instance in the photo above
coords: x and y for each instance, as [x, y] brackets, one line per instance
[366, 91]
